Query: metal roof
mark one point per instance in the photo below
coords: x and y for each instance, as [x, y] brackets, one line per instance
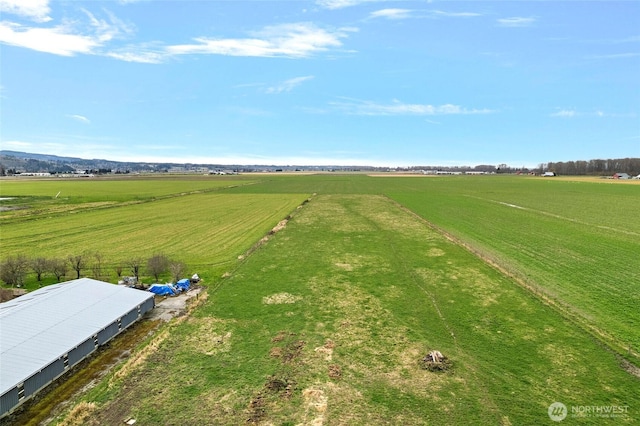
[43, 325]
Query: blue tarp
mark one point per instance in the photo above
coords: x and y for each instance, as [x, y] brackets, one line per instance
[183, 285]
[162, 290]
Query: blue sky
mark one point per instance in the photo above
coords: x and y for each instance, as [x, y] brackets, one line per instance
[326, 82]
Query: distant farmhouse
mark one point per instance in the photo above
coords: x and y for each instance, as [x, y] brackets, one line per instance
[621, 176]
[48, 331]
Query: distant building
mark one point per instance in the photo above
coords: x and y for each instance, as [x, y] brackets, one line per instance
[48, 331]
[549, 174]
[621, 176]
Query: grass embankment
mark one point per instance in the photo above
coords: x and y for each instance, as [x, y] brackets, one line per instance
[328, 323]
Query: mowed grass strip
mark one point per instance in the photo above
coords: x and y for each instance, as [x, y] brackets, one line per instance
[328, 322]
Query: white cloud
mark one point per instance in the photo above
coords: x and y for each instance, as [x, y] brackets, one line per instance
[564, 113]
[288, 85]
[340, 4]
[108, 30]
[409, 13]
[297, 40]
[67, 39]
[59, 40]
[36, 10]
[139, 54]
[356, 107]
[516, 21]
[80, 118]
[391, 14]
[455, 14]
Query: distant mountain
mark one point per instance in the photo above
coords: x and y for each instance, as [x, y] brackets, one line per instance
[41, 157]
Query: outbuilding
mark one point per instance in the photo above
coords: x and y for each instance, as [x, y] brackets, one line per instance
[621, 176]
[46, 332]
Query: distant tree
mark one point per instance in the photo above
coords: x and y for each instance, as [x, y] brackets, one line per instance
[157, 265]
[58, 267]
[177, 270]
[40, 265]
[135, 264]
[78, 263]
[119, 270]
[13, 270]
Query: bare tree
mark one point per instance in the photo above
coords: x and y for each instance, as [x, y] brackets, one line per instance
[134, 265]
[78, 263]
[157, 265]
[59, 268]
[177, 270]
[119, 270]
[14, 270]
[40, 266]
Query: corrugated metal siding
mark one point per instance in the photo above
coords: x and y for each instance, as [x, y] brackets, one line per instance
[129, 317]
[79, 353]
[8, 401]
[42, 327]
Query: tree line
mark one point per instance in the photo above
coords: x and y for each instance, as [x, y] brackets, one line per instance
[596, 167]
[15, 269]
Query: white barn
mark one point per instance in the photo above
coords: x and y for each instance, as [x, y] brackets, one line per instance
[46, 332]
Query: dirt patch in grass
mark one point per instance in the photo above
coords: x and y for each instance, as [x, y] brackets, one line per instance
[280, 298]
[315, 406]
[211, 336]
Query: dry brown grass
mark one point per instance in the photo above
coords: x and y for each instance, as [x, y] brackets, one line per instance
[79, 415]
[139, 358]
[280, 298]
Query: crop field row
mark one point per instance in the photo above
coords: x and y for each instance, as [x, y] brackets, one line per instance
[329, 321]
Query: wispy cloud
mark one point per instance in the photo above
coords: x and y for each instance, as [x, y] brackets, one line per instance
[80, 118]
[397, 14]
[391, 14]
[455, 14]
[298, 40]
[35, 10]
[340, 4]
[565, 113]
[615, 55]
[358, 107]
[516, 21]
[572, 113]
[288, 85]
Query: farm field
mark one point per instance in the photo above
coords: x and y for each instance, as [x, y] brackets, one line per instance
[186, 220]
[329, 320]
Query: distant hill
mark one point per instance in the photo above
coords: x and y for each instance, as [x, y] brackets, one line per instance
[41, 157]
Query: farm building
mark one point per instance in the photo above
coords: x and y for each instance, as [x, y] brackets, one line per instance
[46, 332]
[621, 176]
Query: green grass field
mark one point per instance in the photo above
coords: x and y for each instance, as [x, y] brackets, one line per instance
[328, 321]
